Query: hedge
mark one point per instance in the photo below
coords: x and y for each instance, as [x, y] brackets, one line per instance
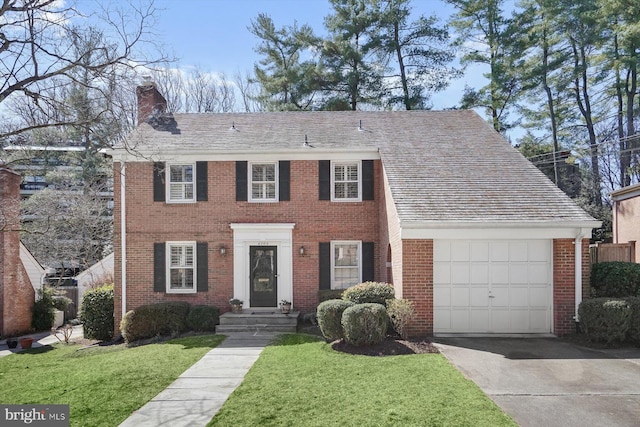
[605, 319]
[203, 318]
[148, 321]
[615, 279]
[96, 313]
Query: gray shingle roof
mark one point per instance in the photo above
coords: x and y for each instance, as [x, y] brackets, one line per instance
[441, 165]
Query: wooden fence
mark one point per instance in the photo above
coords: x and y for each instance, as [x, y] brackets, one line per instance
[605, 252]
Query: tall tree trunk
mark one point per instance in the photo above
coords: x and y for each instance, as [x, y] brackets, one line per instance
[550, 104]
[403, 73]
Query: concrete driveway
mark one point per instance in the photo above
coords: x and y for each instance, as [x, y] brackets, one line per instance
[547, 382]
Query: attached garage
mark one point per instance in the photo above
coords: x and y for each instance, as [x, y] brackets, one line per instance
[492, 286]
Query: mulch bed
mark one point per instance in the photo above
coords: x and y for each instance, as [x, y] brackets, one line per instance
[391, 346]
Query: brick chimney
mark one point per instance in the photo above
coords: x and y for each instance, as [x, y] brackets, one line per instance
[150, 101]
[16, 293]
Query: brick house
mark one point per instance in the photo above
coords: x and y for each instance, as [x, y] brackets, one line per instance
[16, 292]
[272, 206]
[626, 217]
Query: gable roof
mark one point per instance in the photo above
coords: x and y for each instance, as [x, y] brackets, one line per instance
[441, 166]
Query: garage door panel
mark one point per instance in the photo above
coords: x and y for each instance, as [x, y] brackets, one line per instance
[442, 273]
[492, 286]
[479, 297]
[460, 273]
[441, 296]
[518, 273]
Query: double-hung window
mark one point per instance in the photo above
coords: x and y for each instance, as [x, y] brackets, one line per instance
[346, 182]
[181, 267]
[181, 183]
[346, 265]
[263, 182]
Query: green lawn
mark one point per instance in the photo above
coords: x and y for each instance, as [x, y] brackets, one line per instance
[303, 382]
[102, 385]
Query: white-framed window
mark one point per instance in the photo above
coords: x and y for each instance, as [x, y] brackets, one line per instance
[181, 183]
[263, 182]
[181, 267]
[346, 182]
[346, 263]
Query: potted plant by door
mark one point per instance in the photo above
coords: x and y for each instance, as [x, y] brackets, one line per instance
[12, 343]
[285, 306]
[236, 305]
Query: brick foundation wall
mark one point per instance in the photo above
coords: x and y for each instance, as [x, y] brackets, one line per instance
[16, 293]
[417, 283]
[315, 221]
[564, 283]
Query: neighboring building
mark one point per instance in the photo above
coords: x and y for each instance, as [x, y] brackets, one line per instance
[626, 216]
[98, 274]
[34, 270]
[272, 206]
[17, 294]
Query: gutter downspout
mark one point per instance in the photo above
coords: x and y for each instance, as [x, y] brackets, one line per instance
[123, 237]
[578, 273]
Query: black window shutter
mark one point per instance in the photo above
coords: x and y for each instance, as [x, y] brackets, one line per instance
[159, 268]
[158, 182]
[325, 265]
[202, 254]
[368, 262]
[324, 176]
[201, 181]
[284, 175]
[241, 181]
[367, 180]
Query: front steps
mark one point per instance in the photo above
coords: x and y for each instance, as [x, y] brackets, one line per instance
[254, 320]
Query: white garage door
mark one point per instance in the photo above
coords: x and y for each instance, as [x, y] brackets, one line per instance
[492, 286]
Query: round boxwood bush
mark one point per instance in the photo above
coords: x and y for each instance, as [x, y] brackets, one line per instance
[203, 318]
[330, 318]
[365, 324]
[369, 292]
[96, 313]
[615, 279]
[148, 321]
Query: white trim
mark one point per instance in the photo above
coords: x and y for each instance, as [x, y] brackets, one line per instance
[335, 163]
[123, 237]
[183, 244]
[161, 154]
[279, 235]
[167, 185]
[333, 266]
[250, 182]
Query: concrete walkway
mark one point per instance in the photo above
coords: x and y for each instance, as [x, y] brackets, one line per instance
[197, 395]
[39, 339]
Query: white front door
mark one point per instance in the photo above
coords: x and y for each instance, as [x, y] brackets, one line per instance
[492, 286]
[269, 245]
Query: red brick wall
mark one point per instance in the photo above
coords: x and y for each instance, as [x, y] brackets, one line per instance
[564, 283]
[16, 293]
[417, 283]
[315, 221]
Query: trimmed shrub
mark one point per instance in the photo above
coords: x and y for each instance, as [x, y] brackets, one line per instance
[330, 318]
[615, 279]
[148, 321]
[43, 312]
[605, 319]
[369, 292]
[365, 324]
[96, 313]
[203, 318]
[633, 334]
[400, 312]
